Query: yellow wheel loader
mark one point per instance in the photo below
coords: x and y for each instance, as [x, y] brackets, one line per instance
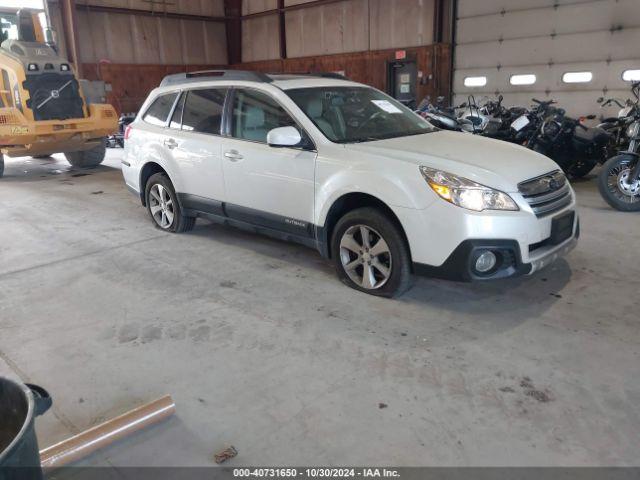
[42, 107]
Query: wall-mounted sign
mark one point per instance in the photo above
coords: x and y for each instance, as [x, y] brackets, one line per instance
[401, 54]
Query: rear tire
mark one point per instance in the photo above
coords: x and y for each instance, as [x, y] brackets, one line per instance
[1, 165]
[88, 158]
[617, 193]
[371, 254]
[163, 206]
[38, 157]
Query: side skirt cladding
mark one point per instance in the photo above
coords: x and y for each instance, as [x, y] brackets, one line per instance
[249, 219]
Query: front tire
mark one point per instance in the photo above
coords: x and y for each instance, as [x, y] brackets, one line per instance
[163, 207]
[88, 158]
[1, 165]
[614, 187]
[371, 254]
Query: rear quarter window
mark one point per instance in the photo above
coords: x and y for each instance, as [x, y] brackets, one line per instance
[158, 112]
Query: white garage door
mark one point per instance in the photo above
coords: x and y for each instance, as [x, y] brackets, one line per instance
[573, 50]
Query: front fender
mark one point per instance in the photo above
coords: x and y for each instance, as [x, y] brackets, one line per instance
[406, 191]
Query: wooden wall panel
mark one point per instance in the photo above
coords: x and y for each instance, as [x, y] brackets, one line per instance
[130, 84]
[339, 27]
[140, 39]
[401, 23]
[145, 35]
[257, 6]
[334, 28]
[371, 67]
[260, 38]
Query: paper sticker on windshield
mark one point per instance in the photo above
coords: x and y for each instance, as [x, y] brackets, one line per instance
[386, 105]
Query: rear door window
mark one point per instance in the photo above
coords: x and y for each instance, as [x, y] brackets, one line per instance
[203, 109]
[158, 112]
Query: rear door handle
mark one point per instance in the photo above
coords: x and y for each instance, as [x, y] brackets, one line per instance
[233, 155]
[170, 143]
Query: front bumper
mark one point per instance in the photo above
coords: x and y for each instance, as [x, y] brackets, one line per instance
[445, 240]
[460, 265]
[20, 136]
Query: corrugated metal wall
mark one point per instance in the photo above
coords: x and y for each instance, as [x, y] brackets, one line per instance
[138, 39]
[499, 38]
[340, 27]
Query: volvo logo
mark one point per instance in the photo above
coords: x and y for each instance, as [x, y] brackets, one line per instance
[55, 93]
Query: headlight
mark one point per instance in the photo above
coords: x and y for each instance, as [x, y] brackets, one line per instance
[466, 193]
[551, 128]
[633, 130]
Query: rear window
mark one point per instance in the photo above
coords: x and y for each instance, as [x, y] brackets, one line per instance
[203, 110]
[158, 112]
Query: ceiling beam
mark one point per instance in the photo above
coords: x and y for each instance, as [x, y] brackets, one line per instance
[70, 32]
[148, 13]
[438, 20]
[283, 29]
[282, 9]
[233, 13]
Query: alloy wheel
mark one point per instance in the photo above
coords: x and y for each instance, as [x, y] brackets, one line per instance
[365, 256]
[161, 206]
[619, 186]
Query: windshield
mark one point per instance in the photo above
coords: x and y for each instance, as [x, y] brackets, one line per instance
[357, 114]
[8, 26]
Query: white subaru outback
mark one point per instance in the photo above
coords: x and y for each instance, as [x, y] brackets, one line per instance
[344, 168]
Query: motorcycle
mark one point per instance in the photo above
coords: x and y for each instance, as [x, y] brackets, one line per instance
[482, 120]
[117, 139]
[440, 116]
[619, 178]
[525, 126]
[617, 126]
[575, 147]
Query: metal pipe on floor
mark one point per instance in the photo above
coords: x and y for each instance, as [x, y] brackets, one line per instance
[83, 444]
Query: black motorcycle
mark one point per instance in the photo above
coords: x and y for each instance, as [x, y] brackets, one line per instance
[619, 178]
[575, 147]
[117, 139]
[525, 124]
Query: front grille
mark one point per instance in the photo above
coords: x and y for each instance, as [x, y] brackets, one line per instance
[546, 194]
[54, 96]
[8, 119]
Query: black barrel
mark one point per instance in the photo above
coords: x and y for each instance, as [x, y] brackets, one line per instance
[19, 453]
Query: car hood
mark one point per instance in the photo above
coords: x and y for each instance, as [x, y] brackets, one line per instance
[490, 162]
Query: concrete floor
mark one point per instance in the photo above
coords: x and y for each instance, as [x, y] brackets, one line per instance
[264, 349]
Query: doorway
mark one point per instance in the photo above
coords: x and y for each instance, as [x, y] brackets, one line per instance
[403, 79]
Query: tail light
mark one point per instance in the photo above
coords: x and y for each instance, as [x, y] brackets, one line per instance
[127, 132]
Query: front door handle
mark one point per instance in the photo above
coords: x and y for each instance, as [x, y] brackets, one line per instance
[233, 155]
[170, 143]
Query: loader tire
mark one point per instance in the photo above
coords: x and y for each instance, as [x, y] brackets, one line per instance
[88, 158]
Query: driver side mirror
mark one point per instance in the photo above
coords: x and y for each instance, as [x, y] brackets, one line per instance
[599, 100]
[284, 137]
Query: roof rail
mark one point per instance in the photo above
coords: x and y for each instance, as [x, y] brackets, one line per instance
[190, 77]
[337, 76]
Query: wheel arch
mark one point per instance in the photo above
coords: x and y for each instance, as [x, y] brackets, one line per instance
[347, 203]
[147, 170]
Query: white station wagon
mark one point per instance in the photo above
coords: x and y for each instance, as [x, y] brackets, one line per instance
[344, 168]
